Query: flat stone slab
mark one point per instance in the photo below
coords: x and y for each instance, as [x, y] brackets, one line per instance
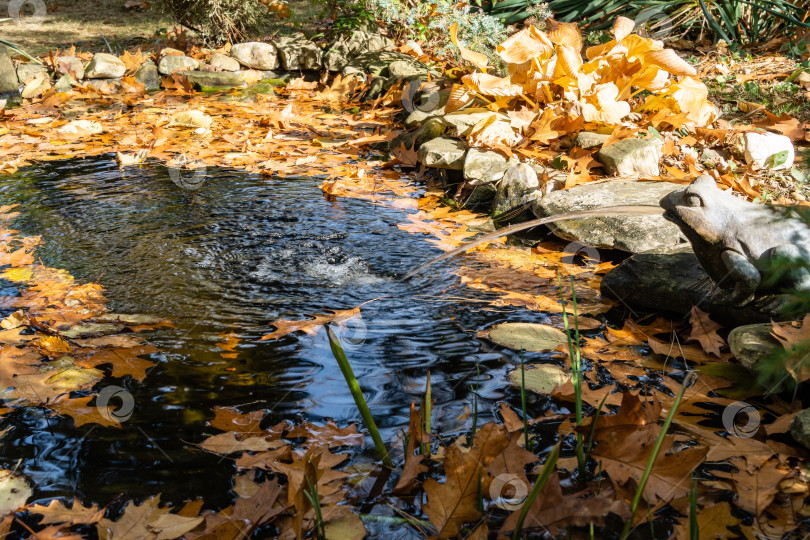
[214, 80]
[636, 234]
[443, 153]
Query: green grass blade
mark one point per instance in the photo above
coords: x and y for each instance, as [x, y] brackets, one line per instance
[428, 408]
[694, 529]
[357, 394]
[545, 474]
[687, 381]
[17, 48]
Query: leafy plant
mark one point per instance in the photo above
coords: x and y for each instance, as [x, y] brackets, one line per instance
[735, 21]
[219, 21]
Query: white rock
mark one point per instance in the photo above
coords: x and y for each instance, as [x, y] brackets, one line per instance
[765, 149]
[256, 55]
[105, 66]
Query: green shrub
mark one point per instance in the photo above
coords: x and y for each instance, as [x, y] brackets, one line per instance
[219, 21]
[482, 24]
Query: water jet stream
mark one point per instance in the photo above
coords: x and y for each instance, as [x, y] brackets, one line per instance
[607, 211]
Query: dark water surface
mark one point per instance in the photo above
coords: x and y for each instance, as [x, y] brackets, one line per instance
[233, 255]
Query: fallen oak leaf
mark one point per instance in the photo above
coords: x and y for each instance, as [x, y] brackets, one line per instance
[82, 413]
[704, 331]
[58, 512]
[314, 325]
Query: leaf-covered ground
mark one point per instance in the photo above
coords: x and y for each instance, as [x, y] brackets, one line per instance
[292, 480]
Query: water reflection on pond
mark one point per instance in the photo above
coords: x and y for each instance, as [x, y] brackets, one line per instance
[222, 261]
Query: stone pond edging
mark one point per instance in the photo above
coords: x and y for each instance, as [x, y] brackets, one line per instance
[360, 54]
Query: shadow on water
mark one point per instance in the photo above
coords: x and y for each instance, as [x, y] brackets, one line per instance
[230, 257]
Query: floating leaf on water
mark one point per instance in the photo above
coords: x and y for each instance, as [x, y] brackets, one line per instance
[18, 275]
[14, 492]
[14, 320]
[540, 378]
[530, 337]
[130, 318]
[89, 329]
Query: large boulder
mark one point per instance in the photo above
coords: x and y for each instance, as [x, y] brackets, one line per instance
[518, 188]
[443, 153]
[105, 66]
[346, 48]
[635, 234]
[297, 52]
[8, 75]
[173, 62]
[256, 55]
[631, 157]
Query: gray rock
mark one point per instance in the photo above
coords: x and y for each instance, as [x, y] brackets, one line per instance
[70, 65]
[222, 62]
[551, 179]
[173, 62]
[673, 283]
[463, 121]
[377, 63]
[297, 52]
[443, 153]
[481, 198]
[256, 55]
[8, 75]
[65, 83]
[709, 154]
[344, 49]
[635, 234]
[214, 80]
[763, 149]
[105, 66]
[589, 139]
[148, 75]
[800, 428]
[519, 187]
[428, 131]
[483, 166]
[751, 343]
[26, 72]
[631, 157]
[656, 282]
[399, 69]
[98, 83]
[418, 117]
